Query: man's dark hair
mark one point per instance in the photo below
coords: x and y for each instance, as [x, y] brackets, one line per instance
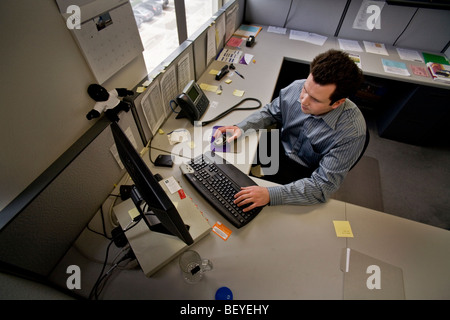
[336, 67]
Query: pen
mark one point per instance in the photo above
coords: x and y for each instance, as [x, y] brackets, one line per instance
[240, 75]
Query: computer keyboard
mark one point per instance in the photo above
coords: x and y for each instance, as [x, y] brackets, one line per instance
[218, 181]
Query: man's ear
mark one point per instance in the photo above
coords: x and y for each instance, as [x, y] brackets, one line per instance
[338, 103]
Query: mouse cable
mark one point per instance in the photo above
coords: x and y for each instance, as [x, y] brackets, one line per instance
[234, 108]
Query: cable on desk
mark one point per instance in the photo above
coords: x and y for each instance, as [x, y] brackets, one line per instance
[129, 255]
[149, 146]
[100, 284]
[170, 104]
[103, 225]
[234, 108]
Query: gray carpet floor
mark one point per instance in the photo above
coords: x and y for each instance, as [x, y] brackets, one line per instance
[414, 181]
[362, 185]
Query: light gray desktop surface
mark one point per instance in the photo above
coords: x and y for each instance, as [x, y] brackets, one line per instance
[271, 48]
[286, 252]
[420, 250]
[290, 239]
[293, 252]
[279, 255]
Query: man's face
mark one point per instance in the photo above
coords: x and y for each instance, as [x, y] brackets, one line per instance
[315, 98]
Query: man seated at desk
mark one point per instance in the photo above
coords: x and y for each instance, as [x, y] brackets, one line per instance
[322, 134]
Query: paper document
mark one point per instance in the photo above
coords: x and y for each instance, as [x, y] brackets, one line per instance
[184, 72]
[411, 55]
[356, 59]
[375, 47]
[395, 67]
[247, 31]
[369, 15]
[246, 59]
[152, 107]
[229, 55]
[211, 45]
[169, 87]
[313, 38]
[278, 30]
[235, 42]
[349, 45]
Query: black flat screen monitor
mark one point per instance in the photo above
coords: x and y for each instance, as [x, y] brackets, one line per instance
[147, 191]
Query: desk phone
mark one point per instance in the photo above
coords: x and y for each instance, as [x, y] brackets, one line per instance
[193, 102]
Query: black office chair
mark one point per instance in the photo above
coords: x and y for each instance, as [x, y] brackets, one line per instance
[366, 143]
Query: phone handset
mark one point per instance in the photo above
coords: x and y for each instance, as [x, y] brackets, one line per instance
[192, 101]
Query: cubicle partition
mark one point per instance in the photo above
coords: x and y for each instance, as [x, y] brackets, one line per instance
[63, 200]
[407, 26]
[41, 224]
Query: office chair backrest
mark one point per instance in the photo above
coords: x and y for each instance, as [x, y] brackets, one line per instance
[366, 143]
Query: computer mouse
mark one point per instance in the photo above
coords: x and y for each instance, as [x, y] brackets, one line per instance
[221, 141]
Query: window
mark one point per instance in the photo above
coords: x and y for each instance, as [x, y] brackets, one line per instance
[197, 13]
[158, 29]
[156, 21]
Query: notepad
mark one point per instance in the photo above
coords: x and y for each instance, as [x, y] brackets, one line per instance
[247, 30]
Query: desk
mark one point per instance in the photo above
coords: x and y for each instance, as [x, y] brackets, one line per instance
[292, 252]
[286, 252]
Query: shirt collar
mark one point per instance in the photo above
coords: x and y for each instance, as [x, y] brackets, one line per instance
[331, 118]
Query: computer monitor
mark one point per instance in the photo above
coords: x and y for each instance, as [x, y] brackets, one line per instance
[148, 193]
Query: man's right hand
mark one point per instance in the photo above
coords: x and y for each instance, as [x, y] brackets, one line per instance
[233, 131]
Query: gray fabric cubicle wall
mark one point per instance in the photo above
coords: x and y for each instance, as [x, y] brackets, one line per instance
[65, 197]
[426, 29]
[46, 228]
[44, 91]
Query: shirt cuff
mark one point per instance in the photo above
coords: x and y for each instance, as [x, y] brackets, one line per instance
[275, 195]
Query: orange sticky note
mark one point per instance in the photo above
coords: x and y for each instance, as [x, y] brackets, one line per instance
[221, 230]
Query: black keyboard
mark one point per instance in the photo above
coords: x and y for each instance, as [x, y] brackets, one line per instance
[218, 181]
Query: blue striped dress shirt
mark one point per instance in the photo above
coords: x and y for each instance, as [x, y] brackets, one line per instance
[331, 142]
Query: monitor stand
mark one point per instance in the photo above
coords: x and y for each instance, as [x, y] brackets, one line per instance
[154, 249]
[152, 222]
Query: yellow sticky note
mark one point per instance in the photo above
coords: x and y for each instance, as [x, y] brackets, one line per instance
[238, 93]
[133, 213]
[160, 131]
[208, 87]
[213, 71]
[228, 81]
[343, 229]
